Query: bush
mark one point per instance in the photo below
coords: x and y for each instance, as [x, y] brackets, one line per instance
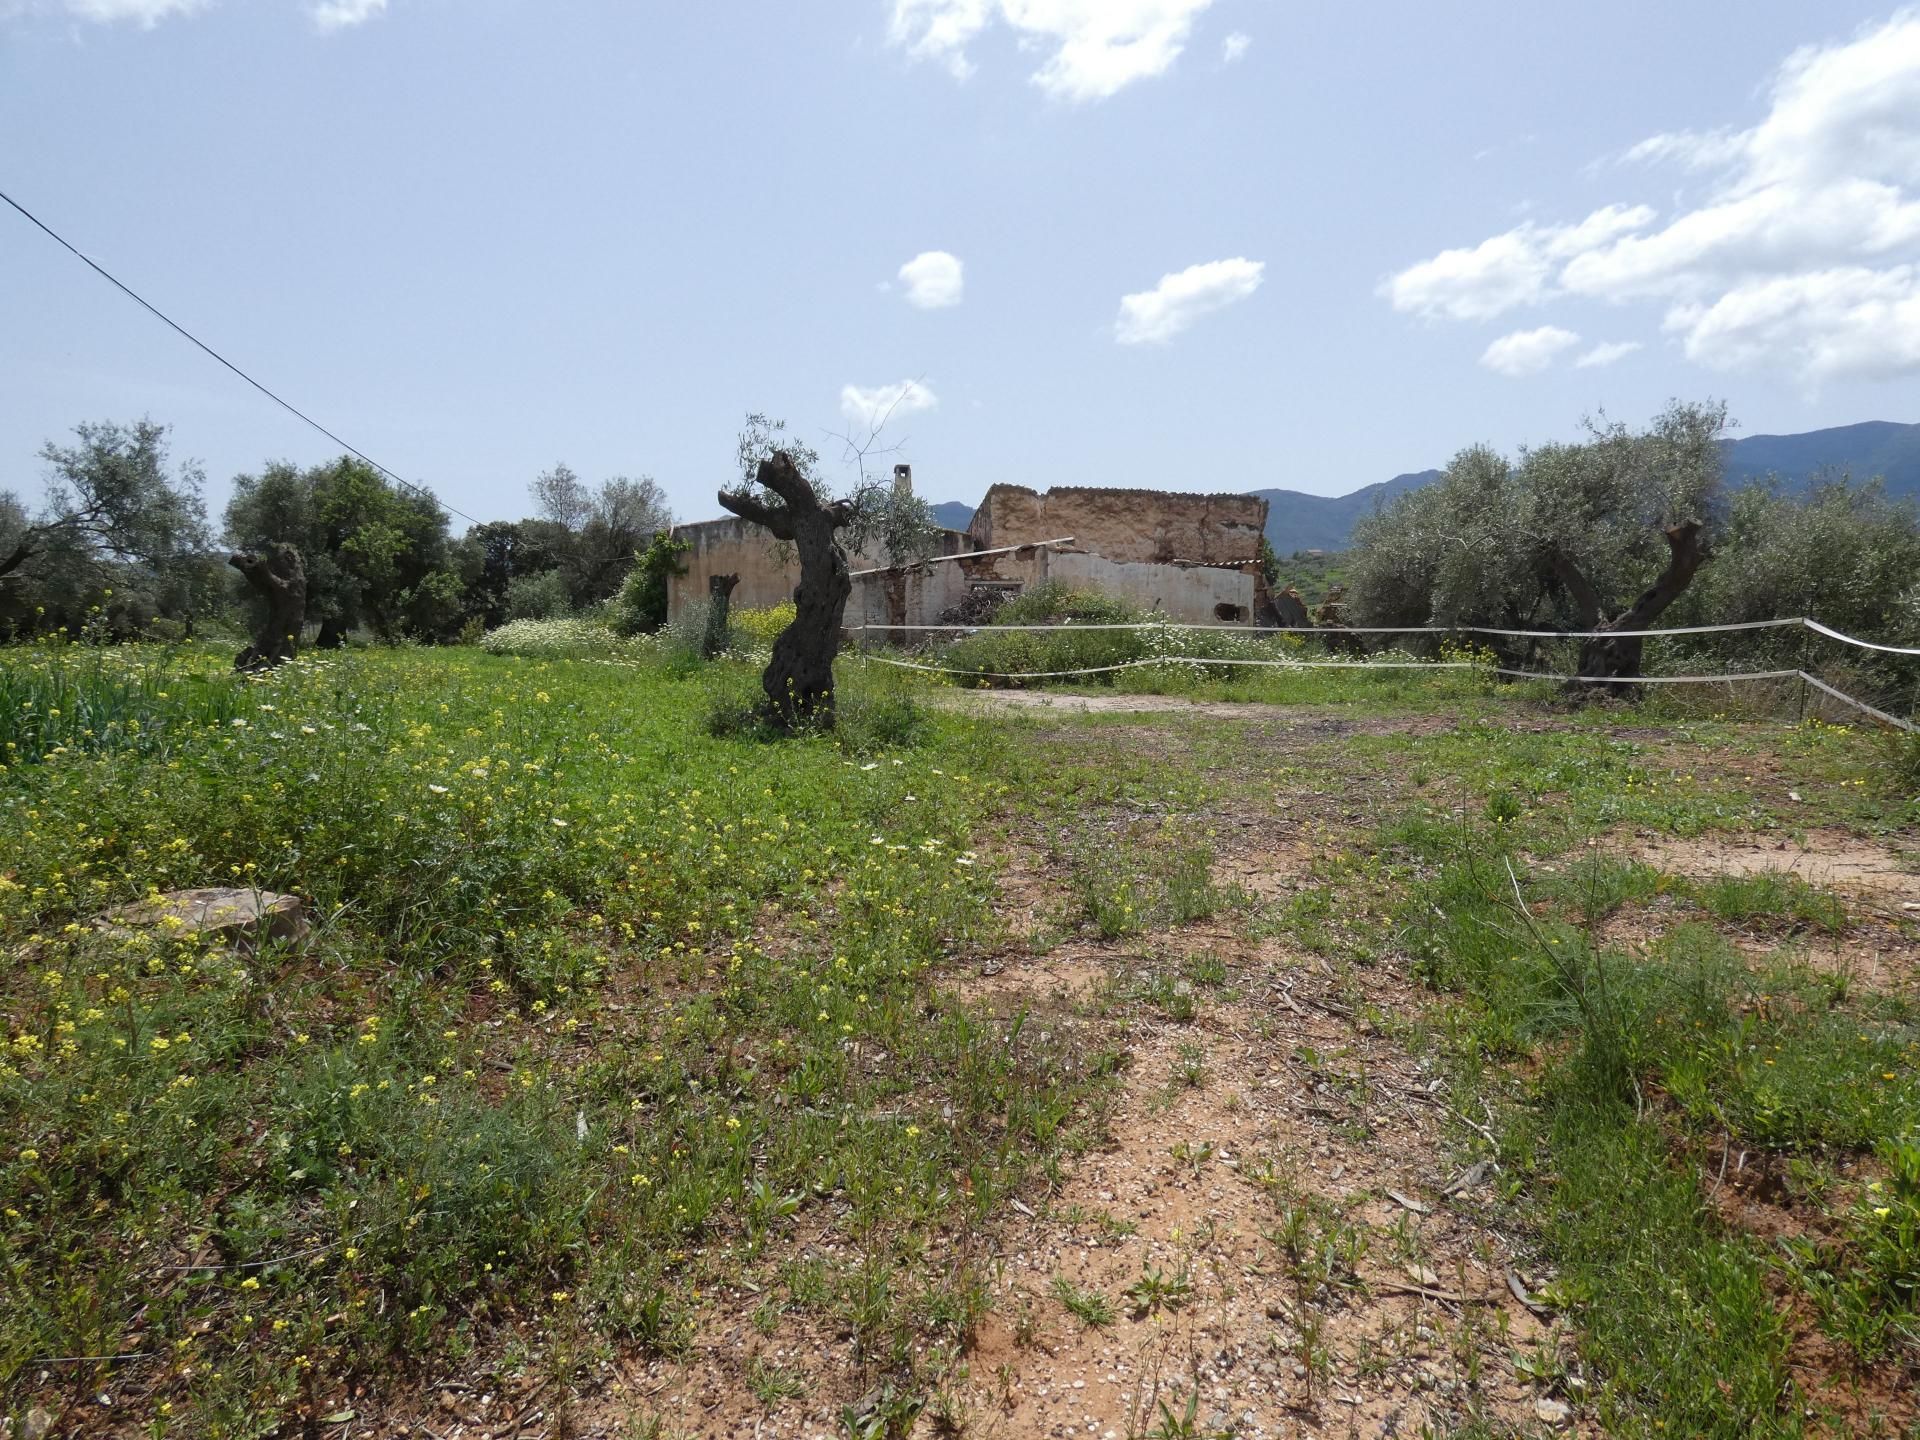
[736, 710]
[872, 712]
[868, 720]
[763, 626]
[1054, 602]
[538, 597]
[561, 640]
[642, 602]
[1078, 645]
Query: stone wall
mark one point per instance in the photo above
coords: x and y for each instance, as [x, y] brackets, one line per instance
[1125, 525]
[922, 594]
[1198, 594]
[768, 571]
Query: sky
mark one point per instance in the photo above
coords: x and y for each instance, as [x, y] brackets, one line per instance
[1176, 244]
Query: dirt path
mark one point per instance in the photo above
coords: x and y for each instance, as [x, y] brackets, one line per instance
[1118, 704]
[1279, 1163]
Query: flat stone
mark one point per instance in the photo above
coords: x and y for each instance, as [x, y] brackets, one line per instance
[1552, 1412]
[242, 918]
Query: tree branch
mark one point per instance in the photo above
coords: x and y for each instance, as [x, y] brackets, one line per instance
[757, 511]
[1686, 554]
[780, 475]
[1585, 598]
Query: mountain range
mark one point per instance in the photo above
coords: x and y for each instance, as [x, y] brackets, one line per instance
[1298, 521]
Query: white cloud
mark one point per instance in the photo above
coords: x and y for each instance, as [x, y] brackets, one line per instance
[327, 14]
[1829, 324]
[869, 409]
[340, 14]
[1099, 47]
[1235, 47]
[1510, 269]
[1180, 299]
[1817, 205]
[1528, 352]
[145, 13]
[933, 279]
[1607, 354]
[1690, 149]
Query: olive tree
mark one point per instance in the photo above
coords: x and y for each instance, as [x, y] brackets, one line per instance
[115, 516]
[780, 489]
[1601, 534]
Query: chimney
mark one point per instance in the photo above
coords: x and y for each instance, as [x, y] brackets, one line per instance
[902, 481]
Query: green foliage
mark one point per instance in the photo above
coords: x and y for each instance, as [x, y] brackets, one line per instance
[374, 552]
[61, 699]
[1144, 879]
[873, 715]
[1054, 602]
[1842, 553]
[1157, 1290]
[1866, 1280]
[1089, 1307]
[1679, 1315]
[538, 597]
[642, 603]
[1472, 548]
[1313, 575]
[119, 541]
[763, 626]
[564, 639]
[440, 1124]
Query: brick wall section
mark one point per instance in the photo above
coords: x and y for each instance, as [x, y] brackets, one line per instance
[1126, 525]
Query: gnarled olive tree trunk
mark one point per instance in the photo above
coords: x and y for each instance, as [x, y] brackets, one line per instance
[719, 611]
[799, 679]
[1605, 657]
[279, 578]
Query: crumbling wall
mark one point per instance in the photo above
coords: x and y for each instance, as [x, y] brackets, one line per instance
[1201, 594]
[768, 571]
[1126, 525]
[921, 594]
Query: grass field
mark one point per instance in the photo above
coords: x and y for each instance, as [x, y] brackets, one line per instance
[637, 1081]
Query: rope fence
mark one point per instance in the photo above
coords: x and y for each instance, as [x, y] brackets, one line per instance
[1799, 620]
[1730, 677]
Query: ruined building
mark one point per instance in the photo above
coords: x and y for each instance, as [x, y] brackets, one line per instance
[1192, 557]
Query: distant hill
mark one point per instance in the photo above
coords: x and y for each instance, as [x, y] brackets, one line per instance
[1298, 521]
[1875, 447]
[954, 514]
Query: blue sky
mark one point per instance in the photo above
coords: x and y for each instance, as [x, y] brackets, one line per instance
[1173, 243]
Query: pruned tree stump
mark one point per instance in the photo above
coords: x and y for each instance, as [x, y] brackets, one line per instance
[278, 577]
[799, 679]
[713, 644]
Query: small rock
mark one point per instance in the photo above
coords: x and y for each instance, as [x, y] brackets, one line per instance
[37, 1426]
[1552, 1412]
[242, 918]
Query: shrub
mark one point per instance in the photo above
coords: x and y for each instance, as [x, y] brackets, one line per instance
[1054, 602]
[763, 626]
[1079, 645]
[538, 597]
[736, 710]
[642, 602]
[560, 640]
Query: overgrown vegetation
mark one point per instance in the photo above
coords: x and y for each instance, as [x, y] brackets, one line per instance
[543, 1060]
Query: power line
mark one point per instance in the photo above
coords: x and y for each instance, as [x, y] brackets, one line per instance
[155, 311]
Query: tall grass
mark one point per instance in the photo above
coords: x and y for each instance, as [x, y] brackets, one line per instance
[536, 1073]
[70, 698]
[1645, 1060]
